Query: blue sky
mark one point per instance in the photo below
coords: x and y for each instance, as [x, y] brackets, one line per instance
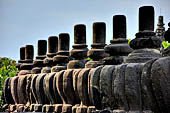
[24, 22]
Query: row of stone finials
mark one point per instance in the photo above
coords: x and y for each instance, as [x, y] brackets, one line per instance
[61, 80]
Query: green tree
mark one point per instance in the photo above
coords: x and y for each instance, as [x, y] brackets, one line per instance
[7, 69]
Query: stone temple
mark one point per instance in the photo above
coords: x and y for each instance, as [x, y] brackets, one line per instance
[107, 78]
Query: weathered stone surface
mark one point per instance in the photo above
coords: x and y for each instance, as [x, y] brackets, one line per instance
[20, 107]
[48, 87]
[75, 81]
[119, 26]
[83, 86]
[142, 55]
[14, 84]
[76, 64]
[89, 90]
[95, 88]
[56, 94]
[68, 86]
[146, 18]
[41, 97]
[160, 83]
[67, 108]
[59, 85]
[106, 85]
[7, 91]
[148, 97]
[33, 87]
[29, 93]
[132, 85]
[145, 40]
[21, 89]
[113, 60]
[118, 87]
[50, 108]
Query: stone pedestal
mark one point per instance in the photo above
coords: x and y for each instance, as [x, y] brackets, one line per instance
[62, 57]
[97, 52]
[52, 51]
[79, 51]
[119, 47]
[38, 63]
[146, 42]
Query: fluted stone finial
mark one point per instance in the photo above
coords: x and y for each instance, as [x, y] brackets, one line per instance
[79, 51]
[97, 51]
[146, 43]
[52, 51]
[146, 38]
[119, 26]
[62, 57]
[146, 18]
[119, 44]
[38, 62]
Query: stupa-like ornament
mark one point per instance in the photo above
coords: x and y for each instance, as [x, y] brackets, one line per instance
[38, 63]
[97, 52]
[146, 43]
[160, 30]
[79, 51]
[52, 51]
[62, 57]
[119, 44]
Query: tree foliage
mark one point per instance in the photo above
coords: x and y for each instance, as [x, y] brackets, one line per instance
[7, 69]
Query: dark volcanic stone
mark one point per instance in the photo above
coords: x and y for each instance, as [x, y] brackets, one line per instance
[146, 18]
[52, 44]
[42, 47]
[82, 86]
[33, 87]
[160, 83]
[41, 97]
[95, 88]
[14, 84]
[56, 94]
[67, 108]
[48, 88]
[29, 52]
[148, 97]
[7, 91]
[22, 53]
[68, 86]
[106, 85]
[119, 26]
[132, 85]
[118, 87]
[59, 85]
[21, 89]
[80, 34]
